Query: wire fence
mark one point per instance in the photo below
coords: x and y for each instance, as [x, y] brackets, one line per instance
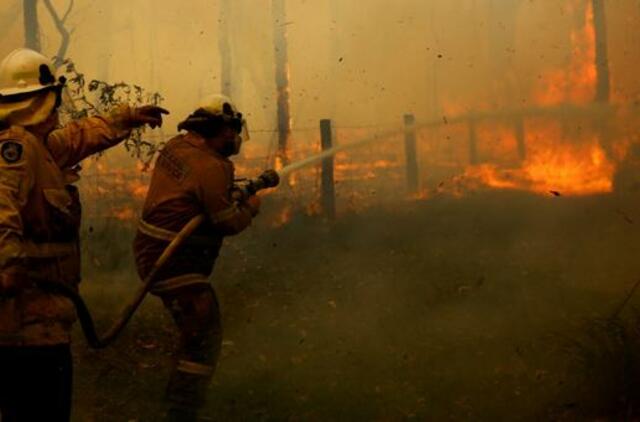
[114, 188]
[371, 174]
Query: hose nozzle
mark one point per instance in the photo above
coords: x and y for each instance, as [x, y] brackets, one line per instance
[268, 179]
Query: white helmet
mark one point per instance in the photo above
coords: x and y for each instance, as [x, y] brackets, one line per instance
[24, 71]
[222, 106]
[218, 106]
[27, 88]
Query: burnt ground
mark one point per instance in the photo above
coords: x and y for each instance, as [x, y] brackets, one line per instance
[488, 307]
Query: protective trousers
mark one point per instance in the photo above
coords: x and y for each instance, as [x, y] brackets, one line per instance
[35, 383]
[196, 312]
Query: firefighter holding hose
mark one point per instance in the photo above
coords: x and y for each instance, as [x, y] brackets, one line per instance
[39, 231]
[194, 178]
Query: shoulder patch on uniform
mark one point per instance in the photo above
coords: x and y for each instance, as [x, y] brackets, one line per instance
[172, 165]
[11, 151]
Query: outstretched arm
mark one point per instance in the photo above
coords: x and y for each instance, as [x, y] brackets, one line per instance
[80, 139]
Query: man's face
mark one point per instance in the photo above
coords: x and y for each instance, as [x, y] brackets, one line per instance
[231, 142]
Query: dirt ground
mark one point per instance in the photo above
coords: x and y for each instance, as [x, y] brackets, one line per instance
[489, 307]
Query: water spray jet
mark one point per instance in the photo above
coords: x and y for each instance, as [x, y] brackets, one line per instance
[290, 168]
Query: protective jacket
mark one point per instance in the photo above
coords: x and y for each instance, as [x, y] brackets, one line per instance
[189, 178]
[39, 223]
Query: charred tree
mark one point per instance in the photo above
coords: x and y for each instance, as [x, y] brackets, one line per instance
[603, 88]
[226, 61]
[282, 76]
[473, 142]
[31, 25]
[521, 139]
[434, 104]
[336, 55]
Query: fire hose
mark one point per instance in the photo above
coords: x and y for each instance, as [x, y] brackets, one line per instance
[241, 191]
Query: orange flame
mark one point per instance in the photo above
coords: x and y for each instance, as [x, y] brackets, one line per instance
[576, 83]
[567, 169]
[571, 165]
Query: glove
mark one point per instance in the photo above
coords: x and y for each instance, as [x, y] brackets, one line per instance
[147, 115]
[12, 280]
[253, 203]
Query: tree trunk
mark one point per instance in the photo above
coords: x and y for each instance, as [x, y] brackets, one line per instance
[434, 106]
[226, 61]
[282, 76]
[31, 27]
[335, 55]
[603, 88]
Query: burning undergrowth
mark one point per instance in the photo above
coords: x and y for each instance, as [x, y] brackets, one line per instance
[559, 158]
[565, 139]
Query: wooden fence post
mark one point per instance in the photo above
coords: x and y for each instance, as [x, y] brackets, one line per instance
[473, 142]
[327, 181]
[520, 137]
[410, 152]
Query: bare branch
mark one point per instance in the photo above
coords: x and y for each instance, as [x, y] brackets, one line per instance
[66, 14]
[64, 33]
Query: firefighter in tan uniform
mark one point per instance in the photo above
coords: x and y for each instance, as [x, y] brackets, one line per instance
[193, 176]
[39, 221]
